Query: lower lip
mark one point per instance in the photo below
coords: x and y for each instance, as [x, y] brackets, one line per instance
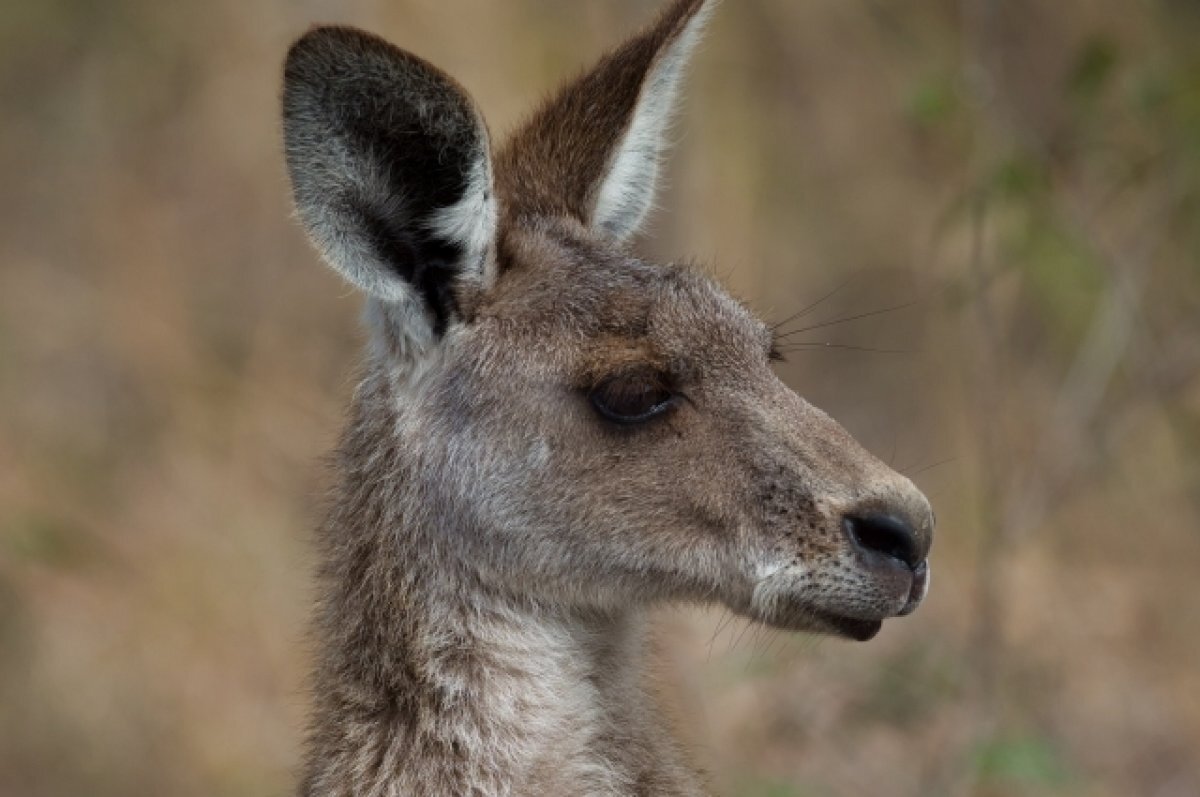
[858, 630]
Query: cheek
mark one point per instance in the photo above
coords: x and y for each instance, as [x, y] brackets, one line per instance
[536, 457]
[653, 483]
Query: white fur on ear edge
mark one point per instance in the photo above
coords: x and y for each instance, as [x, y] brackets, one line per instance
[628, 189]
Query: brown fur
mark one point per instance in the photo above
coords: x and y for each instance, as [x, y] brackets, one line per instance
[553, 165]
[496, 540]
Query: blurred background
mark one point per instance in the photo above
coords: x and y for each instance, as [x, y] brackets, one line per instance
[990, 209]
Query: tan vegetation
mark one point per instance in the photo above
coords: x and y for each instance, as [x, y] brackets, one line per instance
[1020, 180]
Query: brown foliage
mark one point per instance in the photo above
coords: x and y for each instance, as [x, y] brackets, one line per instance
[1023, 178]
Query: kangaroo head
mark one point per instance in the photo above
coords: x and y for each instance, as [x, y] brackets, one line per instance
[590, 430]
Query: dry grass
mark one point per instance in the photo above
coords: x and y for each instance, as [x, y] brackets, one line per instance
[173, 363]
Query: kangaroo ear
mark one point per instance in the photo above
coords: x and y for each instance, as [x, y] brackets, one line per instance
[391, 173]
[593, 151]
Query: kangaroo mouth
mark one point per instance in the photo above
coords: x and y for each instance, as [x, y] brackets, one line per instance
[795, 612]
[809, 619]
[850, 627]
[862, 630]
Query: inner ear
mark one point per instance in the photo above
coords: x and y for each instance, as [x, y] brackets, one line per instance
[593, 151]
[391, 173]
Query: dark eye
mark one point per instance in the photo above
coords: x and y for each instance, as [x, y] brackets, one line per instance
[632, 398]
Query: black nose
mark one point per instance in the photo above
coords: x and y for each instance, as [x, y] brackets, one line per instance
[887, 535]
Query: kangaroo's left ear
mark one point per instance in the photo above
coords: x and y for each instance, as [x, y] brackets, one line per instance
[593, 151]
[391, 173]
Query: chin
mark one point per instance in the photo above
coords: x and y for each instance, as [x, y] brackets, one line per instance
[851, 628]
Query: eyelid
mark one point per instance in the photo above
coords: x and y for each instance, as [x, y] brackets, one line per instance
[642, 371]
[656, 411]
[645, 382]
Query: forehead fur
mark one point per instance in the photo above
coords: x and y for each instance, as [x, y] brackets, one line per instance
[559, 279]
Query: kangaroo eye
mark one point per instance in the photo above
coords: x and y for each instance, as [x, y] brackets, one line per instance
[632, 398]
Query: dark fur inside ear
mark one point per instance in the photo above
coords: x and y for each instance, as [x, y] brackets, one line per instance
[428, 265]
[390, 169]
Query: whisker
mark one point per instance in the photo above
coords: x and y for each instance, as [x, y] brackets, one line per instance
[732, 635]
[738, 640]
[774, 638]
[806, 310]
[726, 618]
[929, 467]
[847, 319]
[759, 633]
[817, 345]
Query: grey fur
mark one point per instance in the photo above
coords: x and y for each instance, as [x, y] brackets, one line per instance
[494, 543]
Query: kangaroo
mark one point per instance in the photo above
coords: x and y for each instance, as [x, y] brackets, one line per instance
[552, 436]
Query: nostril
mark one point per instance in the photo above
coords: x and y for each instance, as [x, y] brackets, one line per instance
[886, 535]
